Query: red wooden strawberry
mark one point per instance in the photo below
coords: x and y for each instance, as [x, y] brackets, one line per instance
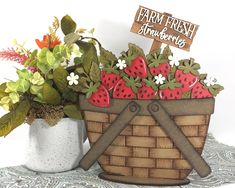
[187, 74]
[126, 88]
[202, 90]
[170, 90]
[138, 68]
[158, 64]
[98, 96]
[199, 91]
[109, 79]
[148, 90]
[163, 68]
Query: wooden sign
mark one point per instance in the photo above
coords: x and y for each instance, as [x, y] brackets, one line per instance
[164, 28]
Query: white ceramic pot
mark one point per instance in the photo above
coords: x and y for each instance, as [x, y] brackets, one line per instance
[55, 149]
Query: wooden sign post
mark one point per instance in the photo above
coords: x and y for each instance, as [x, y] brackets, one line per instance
[164, 28]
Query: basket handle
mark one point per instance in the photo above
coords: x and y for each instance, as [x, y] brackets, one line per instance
[109, 136]
[172, 130]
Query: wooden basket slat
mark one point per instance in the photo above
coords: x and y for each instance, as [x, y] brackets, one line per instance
[143, 149]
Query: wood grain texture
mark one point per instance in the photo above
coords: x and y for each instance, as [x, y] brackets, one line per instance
[173, 107]
[158, 26]
[149, 144]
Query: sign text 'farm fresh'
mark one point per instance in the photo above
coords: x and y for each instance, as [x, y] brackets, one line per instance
[164, 28]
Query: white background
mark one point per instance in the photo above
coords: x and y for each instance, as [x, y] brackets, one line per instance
[213, 46]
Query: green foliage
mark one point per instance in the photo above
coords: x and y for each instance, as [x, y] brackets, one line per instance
[71, 38]
[95, 72]
[73, 111]
[106, 57]
[14, 118]
[14, 97]
[47, 61]
[2, 90]
[50, 95]
[60, 79]
[22, 85]
[68, 25]
[134, 49]
[32, 60]
[24, 74]
[36, 89]
[37, 79]
[89, 55]
[11, 86]
[70, 95]
[61, 52]
[82, 85]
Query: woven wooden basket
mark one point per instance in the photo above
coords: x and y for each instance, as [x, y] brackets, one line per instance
[143, 150]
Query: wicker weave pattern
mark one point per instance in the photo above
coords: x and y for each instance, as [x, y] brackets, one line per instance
[143, 149]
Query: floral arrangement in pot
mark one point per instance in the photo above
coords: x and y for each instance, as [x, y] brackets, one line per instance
[42, 97]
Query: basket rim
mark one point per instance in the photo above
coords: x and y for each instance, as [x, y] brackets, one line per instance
[174, 107]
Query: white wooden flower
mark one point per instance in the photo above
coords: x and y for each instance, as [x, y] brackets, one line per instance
[121, 64]
[73, 79]
[210, 81]
[159, 79]
[173, 61]
[101, 66]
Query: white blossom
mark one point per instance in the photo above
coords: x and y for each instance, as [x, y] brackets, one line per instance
[173, 61]
[210, 81]
[121, 64]
[73, 79]
[101, 66]
[159, 79]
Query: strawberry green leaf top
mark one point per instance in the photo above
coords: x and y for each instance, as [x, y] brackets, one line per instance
[91, 89]
[187, 74]
[170, 90]
[100, 97]
[171, 84]
[151, 83]
[133, 83]
[125, 89]
[158, 64]
[167, 52]
[133, 52]
[155, 58]
[206, 87]
[210, 83]
[215, 89]
[189, 66]
[148, 90]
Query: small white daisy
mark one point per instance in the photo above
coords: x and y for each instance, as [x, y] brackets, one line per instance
[210, 81]
[101, 66]
[73, 79]
[121, 64]
[173, 61]
[159, 79]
